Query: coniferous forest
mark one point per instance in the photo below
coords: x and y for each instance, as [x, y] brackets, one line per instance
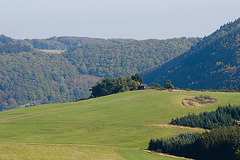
[223, 116]
[222, 142]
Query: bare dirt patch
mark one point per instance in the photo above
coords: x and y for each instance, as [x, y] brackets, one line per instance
[198, 101]
[178, 127]
[166, 155]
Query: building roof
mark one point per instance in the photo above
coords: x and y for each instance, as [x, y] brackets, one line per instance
[142, 85]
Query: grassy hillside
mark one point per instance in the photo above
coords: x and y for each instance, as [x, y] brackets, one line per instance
[110, 127]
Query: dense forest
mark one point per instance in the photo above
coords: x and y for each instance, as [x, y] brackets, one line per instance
[221, 143]
[223, 116]
[212, 63]
[29, 75]
[39, 78]
[110, 86]
[125, 59]
[9, 45]
[67, 42]
[231, 88]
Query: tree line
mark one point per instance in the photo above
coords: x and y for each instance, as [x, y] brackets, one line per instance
[167, 85]
[222, 143]
[223, 116]
[110, 86]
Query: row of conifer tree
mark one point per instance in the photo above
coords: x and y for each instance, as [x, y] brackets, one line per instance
[222, 142]
[223, 116]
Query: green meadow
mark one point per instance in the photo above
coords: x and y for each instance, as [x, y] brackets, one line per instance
[111, 127]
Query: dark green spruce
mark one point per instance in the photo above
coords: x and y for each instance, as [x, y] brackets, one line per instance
[223, 116]
[222, 144]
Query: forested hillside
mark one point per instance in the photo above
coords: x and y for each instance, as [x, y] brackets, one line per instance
[115, 60]
[40, 78]
[9, 45]
[214, 62]
[29, 76]
[66, 42]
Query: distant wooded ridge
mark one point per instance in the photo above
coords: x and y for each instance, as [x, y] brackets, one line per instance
[62, 69]
[30, 75]
[213, 63]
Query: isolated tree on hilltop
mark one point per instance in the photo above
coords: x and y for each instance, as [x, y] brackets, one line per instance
[137, 78]
[168, 85]
[156, 86]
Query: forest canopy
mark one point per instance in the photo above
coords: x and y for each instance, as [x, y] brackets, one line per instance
[30, 75]
[110, 86]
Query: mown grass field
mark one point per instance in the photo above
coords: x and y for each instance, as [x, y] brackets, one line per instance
[110, 127]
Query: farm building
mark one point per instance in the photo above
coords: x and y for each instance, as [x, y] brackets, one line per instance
[142, 86]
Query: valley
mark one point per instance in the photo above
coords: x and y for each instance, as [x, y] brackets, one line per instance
[90, 98]
[63, 69]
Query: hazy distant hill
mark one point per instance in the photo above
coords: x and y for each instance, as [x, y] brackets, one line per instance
[29, 76]
[214, 62]
[40, 78]
[124, 59]
[9, 45]
[66, 42]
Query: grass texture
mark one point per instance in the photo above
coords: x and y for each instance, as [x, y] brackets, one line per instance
[109, 127]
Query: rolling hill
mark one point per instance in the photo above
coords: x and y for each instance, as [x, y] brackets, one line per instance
[33, 78]
[62, 69]
[212, 63]
[126, 59]
[110, 127]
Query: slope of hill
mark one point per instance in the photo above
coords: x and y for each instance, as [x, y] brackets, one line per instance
[29, 76]
[115, 60]
[109, 127]
[37, 78]
[9, 45]
[212, 63]
[65, 42]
